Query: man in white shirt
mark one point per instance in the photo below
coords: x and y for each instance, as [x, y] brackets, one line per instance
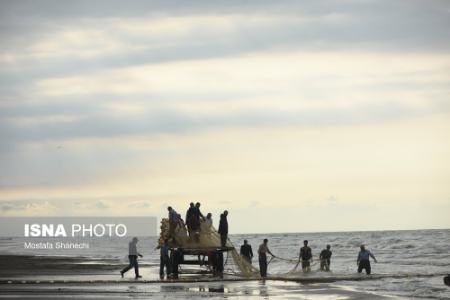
[209, 220]
[133, 258]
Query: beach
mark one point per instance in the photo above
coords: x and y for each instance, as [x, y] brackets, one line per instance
[64, 277]
[411, 265]
[180, 290]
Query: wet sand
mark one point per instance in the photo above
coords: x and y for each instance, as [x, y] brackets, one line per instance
[172, 290]
[36, 277]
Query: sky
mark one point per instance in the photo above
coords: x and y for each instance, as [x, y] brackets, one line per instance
[295, 116]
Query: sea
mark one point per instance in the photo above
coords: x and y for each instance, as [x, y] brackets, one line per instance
[422, 256]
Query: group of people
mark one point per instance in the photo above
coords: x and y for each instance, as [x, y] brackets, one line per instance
[194, 217]
[305, 257]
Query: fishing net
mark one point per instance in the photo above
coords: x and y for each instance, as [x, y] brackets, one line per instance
[206, 237]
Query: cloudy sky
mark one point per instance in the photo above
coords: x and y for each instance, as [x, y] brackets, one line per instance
[293, 115]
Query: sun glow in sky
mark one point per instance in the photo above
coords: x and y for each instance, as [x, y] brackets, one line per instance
[294, 116]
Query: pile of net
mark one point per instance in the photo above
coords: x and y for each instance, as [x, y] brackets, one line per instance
[204, 238]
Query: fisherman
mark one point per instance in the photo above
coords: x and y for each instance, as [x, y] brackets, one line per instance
[246, 252]
[189, 215]
[173, 221]
[325, 257]
[164, 260]
[306, 257]
[180, 221]
[195, 217]
[262, 253]
[209, 220]
[217, 263]
[133, 258]
[176, 257]
[363, 260]
[223, 228]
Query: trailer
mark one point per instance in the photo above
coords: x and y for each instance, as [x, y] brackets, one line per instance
[200, 249]
[210, 261]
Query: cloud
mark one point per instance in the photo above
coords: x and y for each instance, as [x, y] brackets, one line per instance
[139, 204]
[12, 206]
[101, 204]
[102, 100]
[27, 207]
[90, 39]
[275, 89]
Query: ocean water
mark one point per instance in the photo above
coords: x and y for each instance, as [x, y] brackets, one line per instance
[414, 253]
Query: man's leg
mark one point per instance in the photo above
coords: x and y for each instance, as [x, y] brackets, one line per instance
[126, 269]
[304, 266]
[130, 265]
[263, 266]
[167, 262]
[368, 269]
[161, 268]
[360, 266]
[136, 266]
[223, 240]
[174, 261]
[220, 264]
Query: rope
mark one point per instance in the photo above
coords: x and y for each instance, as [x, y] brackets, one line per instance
[286, 259]
[270, 260]
[294, 269]
[235, 263]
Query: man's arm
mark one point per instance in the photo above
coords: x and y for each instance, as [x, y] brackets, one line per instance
[251, 251]
[371, 255]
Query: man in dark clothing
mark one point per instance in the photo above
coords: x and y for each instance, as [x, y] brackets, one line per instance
[164, 260]
[306, 257]
[217, 261]
[189, 215]
[363, 260]
[246, 252]
[325, 257]
[262, 253]
[176, 258]
[195, 218]
[173, 222]
[223, 228]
